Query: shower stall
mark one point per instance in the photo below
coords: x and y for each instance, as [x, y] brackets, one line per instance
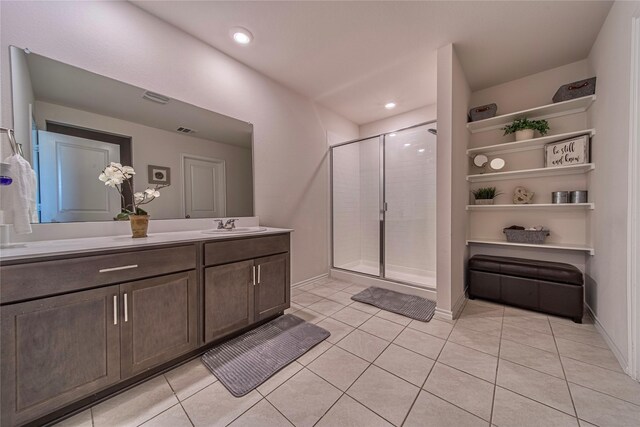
[383, 201]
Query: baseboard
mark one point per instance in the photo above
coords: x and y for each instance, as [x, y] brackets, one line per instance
[614, 349]
[455, 311]
[306, 281]
[386, 284]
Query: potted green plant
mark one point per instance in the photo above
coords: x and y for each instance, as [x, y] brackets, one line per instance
[485, 195]
[525, 128]
[114, 176]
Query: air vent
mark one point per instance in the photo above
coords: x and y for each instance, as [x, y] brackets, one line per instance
[183, 129]
[155, 97]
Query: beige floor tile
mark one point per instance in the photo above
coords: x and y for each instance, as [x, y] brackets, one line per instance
[309, 315]
[430, 410]
[215, 406]
[584, 336]
[511, 409]
[135, 406]
[354, 289]
[406, 364]
[385, 329]
[189, 378]
[598, 356]
[293, 308]
[263, 414]
[531, 357]
[425, 344]
[279, 378]
[476, 340]
[83, 419]
[543, 388]
[322, 291]
[341, 297]
[587, 322]
[351, 316]
[339, 367]
[384, 393]
[583, 423]
[304, 398]
[528, 337]
[349, 413]
[308, 286]
[538, 324]
[172, 417]
[337, 329]
[363, 345]
[486, 325]
[434, 327]
[338, 285]
[312, 354]
[297, 291]
[394, 317]
[474, 362]
[463, 390]
[364, 307]
[603, 410]
[326, 307]
[305, 299]
[603, 380]
[521, 312]
[484, 311]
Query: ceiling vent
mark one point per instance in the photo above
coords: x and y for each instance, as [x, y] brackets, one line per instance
[183, 129]
[155, 97]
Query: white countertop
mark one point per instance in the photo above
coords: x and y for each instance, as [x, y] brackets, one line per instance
[47, 248]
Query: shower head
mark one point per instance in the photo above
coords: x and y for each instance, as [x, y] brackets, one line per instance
[433, 131]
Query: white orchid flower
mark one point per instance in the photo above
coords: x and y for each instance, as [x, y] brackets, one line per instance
[128, 171]
[138, 196]
[151, 192]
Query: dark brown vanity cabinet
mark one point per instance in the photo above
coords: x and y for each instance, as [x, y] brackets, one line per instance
[238, 294]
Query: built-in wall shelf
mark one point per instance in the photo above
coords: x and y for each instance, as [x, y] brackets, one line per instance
[553, 206]
[532, 173]
[528, 144]
[548, 111]
[556, 246]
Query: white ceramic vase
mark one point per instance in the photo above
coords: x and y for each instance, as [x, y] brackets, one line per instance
[521, 135]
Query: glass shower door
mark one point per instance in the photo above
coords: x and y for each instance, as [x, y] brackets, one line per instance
[356, 206]
[410, 196]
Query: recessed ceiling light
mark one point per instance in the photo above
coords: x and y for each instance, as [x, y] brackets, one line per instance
[241, 35]
[390, 105]
[392, 135]
[421, 150]
[407, 145]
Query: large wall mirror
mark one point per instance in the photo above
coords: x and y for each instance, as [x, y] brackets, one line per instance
[72, 123]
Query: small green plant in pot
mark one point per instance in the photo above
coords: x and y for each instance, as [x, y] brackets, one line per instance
[525, 128]
[485, 195]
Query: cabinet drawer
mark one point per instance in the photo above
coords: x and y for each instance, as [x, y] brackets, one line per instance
[227, 251]
[40, 279]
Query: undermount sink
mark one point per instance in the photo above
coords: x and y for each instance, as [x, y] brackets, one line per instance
[237, 230]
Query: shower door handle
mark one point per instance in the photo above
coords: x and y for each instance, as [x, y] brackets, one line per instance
[385, 207]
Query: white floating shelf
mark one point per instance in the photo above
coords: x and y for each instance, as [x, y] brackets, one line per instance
[558, 109]
[532, 173]
[528, 144]
[568, 206]
[556, 246]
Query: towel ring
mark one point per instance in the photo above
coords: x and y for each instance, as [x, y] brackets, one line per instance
[15, 147]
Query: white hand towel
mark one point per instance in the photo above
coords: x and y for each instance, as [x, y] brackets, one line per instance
[20, 202]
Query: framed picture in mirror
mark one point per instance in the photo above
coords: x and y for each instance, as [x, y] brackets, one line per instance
[159, 175]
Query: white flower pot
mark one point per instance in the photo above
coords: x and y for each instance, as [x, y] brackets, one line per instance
[484, 201]
[521, 135]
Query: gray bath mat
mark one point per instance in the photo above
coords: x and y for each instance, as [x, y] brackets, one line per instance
[407, 305]
[245, 362]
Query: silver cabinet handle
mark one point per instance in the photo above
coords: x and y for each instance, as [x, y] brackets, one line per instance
[123, 267]
[126, 309]
[258, 274]
[253, 272]
[115, 309]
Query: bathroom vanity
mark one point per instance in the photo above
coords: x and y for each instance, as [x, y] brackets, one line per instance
[83, 322]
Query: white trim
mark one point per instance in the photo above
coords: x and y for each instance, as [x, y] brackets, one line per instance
[307, 281]
[612, 346]
[455, 310]
[360, 279]
[633, 217]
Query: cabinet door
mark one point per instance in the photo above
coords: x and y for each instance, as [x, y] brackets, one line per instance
[159, 320]
[228, 299]
[57, 350]
[273, 286]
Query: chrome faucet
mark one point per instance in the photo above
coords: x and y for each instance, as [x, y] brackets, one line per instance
[229, 225]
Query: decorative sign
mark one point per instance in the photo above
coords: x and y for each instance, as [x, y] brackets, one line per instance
[574, 151]
[159, 175]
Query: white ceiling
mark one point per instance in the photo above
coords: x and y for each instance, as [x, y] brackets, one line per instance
[353, 57]
[64, 84]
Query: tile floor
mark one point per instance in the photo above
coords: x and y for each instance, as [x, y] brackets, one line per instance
[494, 366]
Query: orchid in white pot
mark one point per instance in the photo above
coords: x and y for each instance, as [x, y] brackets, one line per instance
[115, 175]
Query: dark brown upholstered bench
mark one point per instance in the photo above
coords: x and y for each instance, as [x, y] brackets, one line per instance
[549, 287]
